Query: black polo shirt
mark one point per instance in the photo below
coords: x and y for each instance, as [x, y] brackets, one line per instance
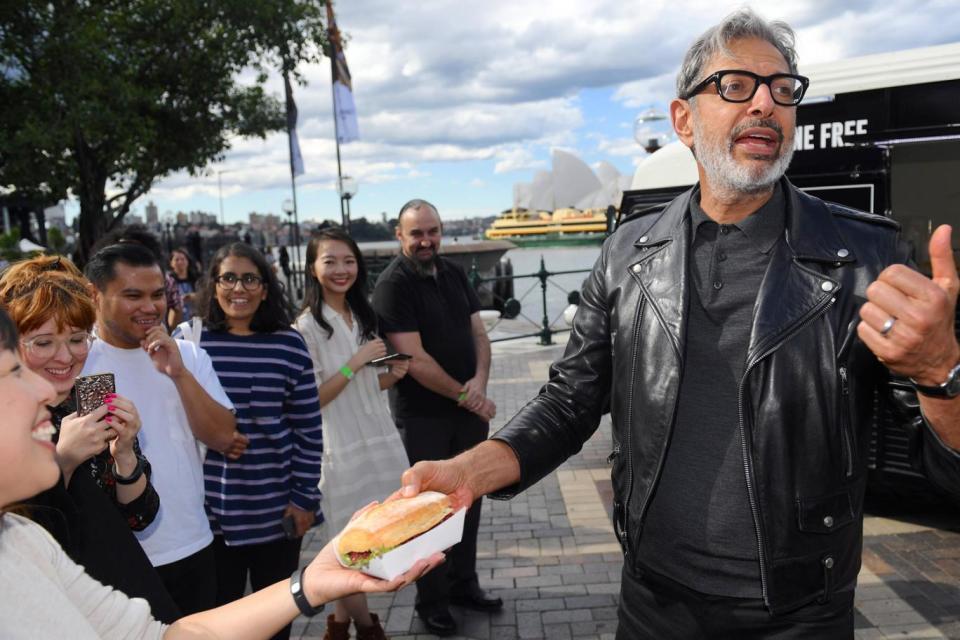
[699, 529]
[438, 307]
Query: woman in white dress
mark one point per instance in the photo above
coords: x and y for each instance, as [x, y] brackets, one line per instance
[363, 456]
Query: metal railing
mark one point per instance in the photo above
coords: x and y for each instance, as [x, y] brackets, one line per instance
[511, 306]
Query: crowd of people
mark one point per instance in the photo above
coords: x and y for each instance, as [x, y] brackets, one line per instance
[207, 464]
[736, 338]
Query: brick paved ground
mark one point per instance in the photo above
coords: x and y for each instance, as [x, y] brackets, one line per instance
[551, 555]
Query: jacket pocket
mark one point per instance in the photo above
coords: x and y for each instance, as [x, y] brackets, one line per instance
[825, 514]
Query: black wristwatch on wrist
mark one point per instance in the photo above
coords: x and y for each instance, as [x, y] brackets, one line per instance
[948, 389]
[296, 589]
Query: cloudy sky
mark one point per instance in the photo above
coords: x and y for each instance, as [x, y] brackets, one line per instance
[460, 99]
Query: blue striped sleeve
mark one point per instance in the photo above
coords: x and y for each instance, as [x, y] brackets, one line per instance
[302, 411]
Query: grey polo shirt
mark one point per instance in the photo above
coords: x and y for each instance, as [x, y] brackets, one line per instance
[699, 530]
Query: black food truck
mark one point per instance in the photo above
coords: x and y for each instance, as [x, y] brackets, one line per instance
[880, 133]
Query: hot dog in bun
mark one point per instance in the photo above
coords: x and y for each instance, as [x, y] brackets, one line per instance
[388, 525]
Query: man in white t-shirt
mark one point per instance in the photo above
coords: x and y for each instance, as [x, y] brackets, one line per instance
[181, 404]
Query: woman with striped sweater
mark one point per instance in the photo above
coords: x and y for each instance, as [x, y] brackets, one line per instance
[261, 504]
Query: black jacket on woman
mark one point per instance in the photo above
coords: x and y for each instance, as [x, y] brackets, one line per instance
[96, 530]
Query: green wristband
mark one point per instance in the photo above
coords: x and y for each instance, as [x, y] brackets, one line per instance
[462, 396]
[347, 372]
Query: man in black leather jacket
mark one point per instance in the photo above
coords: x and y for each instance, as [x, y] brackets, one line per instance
[737, 340]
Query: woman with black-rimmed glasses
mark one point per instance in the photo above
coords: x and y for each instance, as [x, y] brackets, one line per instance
[262, 503]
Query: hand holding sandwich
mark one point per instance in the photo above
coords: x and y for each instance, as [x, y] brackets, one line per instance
[489, 466]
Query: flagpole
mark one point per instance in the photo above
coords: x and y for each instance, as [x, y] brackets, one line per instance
[297, 274]
[336, 137]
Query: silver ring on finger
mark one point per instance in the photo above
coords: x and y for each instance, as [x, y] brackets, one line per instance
[888, 326]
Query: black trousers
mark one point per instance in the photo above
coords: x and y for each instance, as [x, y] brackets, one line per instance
[655, 607]
[192, 581]
[439, 439]
[264, 563]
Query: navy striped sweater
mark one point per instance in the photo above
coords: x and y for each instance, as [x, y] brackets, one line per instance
[269, 378]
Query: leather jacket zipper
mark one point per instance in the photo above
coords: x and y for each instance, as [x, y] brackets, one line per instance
[845, 426]
[624, 533]
[613, 454]
[661, 458]
[745, 447]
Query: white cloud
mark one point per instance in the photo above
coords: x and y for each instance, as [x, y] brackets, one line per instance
[464, 81]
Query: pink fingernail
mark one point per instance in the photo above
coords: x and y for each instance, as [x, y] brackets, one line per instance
[109, 418]
[111, 407]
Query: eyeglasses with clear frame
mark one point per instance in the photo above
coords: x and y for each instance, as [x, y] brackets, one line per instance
[248, 281]
[46, 347]
[737, 85]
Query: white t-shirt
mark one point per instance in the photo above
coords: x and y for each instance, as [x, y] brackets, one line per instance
[181, 527]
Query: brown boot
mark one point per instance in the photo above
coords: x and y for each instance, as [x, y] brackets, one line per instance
[371, 633]
[337, 630]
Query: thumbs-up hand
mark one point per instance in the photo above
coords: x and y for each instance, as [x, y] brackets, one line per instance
[908, 319]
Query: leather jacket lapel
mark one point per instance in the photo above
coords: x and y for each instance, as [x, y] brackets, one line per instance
[794, 288]
[661, 270]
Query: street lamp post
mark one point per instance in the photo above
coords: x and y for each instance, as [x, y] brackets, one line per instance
[347, 188]
[220, 172]
[292, 237]
[650, 130]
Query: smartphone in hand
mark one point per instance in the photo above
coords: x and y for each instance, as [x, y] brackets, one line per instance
[89, 391]
[389, 357]
[289, 527]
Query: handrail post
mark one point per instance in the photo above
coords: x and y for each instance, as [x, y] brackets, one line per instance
[474, 275]
[545, 332]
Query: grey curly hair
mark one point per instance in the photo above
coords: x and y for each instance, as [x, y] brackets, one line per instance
[741, 24]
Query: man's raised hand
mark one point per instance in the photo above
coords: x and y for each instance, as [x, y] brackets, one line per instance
[908, 319]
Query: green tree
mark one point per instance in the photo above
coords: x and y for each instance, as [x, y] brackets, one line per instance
[56, 242]
[10, 245]
[104, 97]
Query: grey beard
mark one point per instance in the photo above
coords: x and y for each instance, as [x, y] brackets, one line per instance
[727, 177]
[425, 267]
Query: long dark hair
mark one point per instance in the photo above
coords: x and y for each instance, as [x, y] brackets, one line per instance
[357, 295]
[9, 338]
[192, 274]
[272, 314]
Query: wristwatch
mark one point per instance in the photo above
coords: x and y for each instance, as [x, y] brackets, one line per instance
[949, 389]
[296, 590]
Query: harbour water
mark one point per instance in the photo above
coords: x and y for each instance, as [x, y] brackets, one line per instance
[526, 262]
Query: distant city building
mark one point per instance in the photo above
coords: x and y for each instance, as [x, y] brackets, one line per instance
[132, 219]
[56, 216]
[153, 215]
[182, 218]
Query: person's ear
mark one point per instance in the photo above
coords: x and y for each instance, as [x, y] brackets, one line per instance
[681, 115]
[94, 293]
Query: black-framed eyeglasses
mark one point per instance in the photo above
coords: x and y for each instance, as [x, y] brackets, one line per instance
[248, 281]
[736, 85]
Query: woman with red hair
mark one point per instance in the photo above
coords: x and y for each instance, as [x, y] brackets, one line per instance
[104, 493]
